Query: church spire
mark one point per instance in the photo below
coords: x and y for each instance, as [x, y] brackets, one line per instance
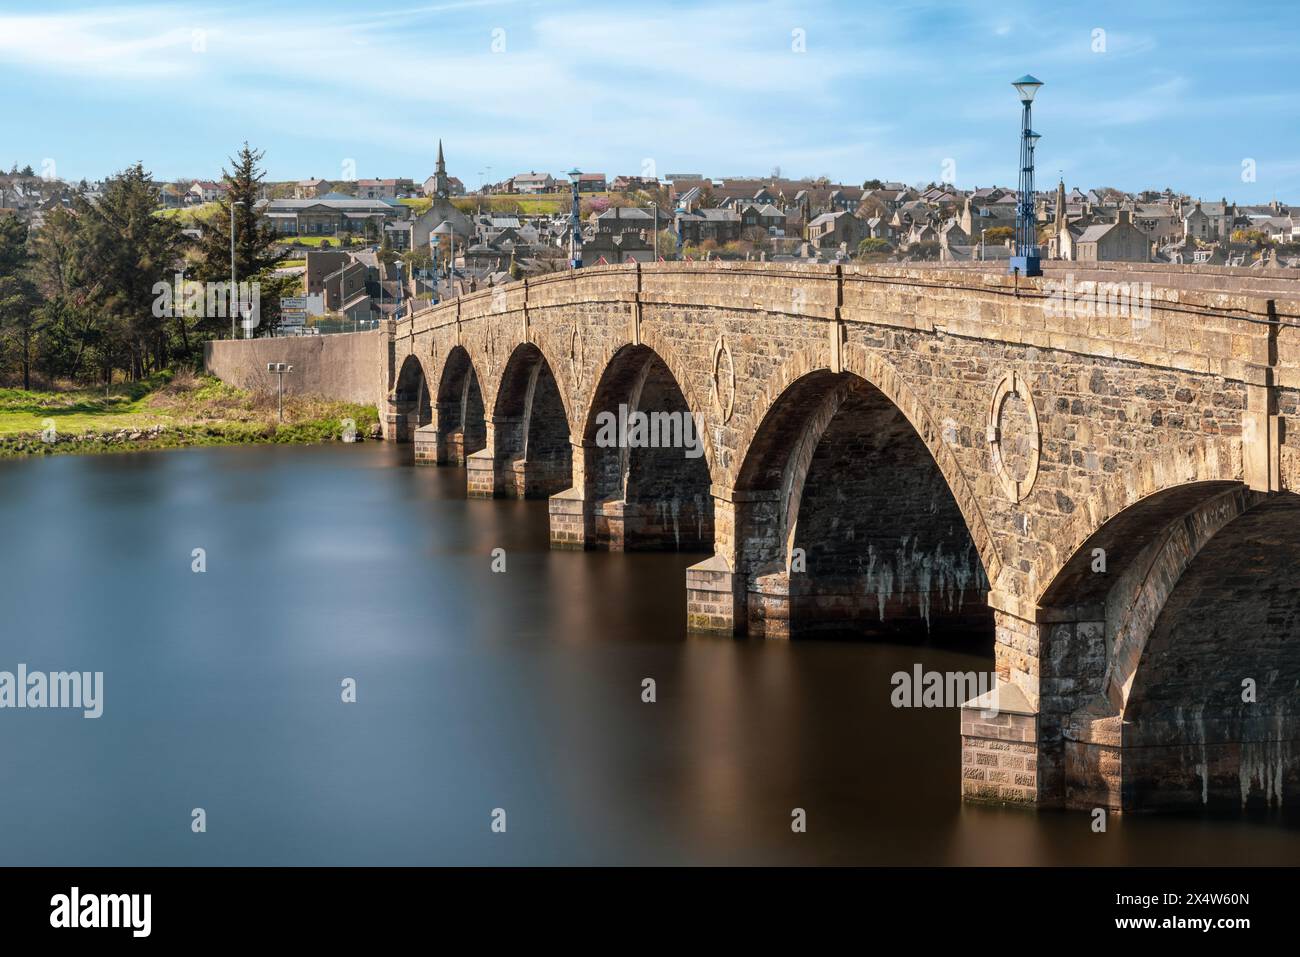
[442, 188]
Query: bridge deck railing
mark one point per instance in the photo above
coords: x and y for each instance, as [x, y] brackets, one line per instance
[1229, 332]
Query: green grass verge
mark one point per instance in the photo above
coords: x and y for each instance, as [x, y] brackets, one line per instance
[167, 413]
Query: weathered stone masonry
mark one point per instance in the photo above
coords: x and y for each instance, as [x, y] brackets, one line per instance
[932, 446]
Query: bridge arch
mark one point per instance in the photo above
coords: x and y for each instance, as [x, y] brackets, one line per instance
[461, 419]
[698, 405]
[803, 559]
[881, 375]
[528, 452]
[646, 478]
[1143, 651]
[410, 398]
[1212, 717]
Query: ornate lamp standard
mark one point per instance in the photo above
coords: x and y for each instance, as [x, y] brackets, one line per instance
[575, 224]
[400, 291]
[1025, 262]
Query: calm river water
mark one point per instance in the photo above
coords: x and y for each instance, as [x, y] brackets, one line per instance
[475, 691]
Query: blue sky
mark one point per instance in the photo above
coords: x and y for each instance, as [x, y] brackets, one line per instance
[1170, 94]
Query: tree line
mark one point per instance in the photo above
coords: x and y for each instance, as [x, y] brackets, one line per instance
[80, 294]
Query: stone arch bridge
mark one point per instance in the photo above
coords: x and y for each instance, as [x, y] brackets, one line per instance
[1100, 479]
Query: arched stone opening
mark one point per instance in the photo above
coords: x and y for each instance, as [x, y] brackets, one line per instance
[1140, 591]
[460, 428]
[645, 477]
[1212, 716]
[410, 400]
[528, 454]
[846, 525]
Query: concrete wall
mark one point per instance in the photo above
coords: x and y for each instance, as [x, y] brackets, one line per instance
[350, 367]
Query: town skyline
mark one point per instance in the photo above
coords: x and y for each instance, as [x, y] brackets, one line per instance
[823, 91]
[1045, 185]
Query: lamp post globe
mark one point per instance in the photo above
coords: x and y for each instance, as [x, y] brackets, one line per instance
[1027, 86]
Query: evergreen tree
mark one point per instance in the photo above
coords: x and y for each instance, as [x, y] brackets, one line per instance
[256, 243]
[68, 324]
[18, 320]
[129, 249]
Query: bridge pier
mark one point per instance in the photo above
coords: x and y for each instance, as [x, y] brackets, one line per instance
[480, 475]
[1000, 748]
[449, 437]
[1002, 755]
[711, 598]
[503, 468]
[1036, 740]
[608, 524]
[714, 588]
[398, 426]
[579, 523]
[613, 511]
[426, 445]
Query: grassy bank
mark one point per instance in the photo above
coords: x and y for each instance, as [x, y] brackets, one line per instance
[167, 412]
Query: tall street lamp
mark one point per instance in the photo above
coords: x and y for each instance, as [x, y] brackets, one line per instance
[1025, 262]
[232, 298]
[575, 225]
[400, 291]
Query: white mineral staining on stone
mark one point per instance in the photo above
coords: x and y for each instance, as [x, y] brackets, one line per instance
[1192, 730]
[1264, 752]
[916, 574]
[670, 511]
[1264, 763]
[880, 583]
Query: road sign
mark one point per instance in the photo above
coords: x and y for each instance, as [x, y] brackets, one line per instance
[293, 311]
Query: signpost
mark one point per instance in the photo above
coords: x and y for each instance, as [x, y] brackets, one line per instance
[293, 312]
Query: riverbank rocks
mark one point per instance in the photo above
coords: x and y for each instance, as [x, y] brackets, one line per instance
[38, 443]
[45, 442]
